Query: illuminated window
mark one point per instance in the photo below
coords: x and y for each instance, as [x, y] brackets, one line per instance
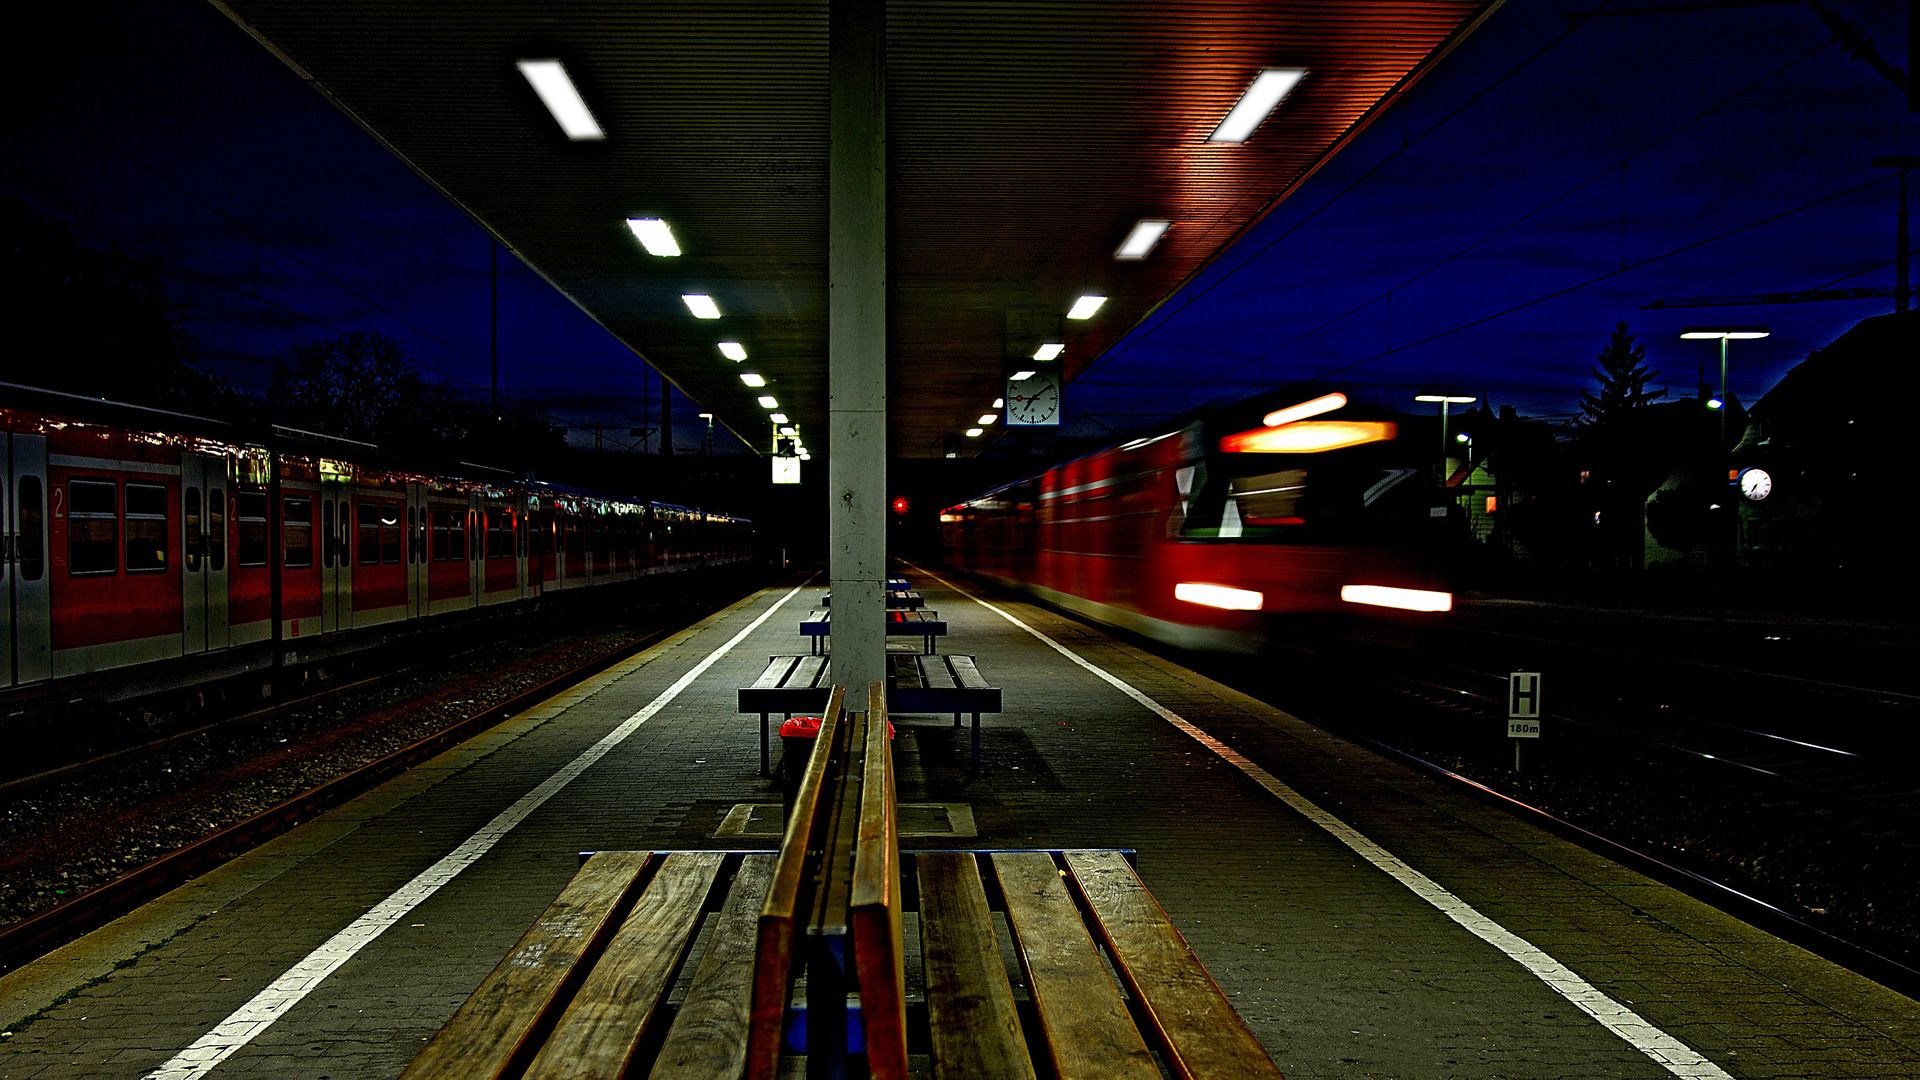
[93, 527]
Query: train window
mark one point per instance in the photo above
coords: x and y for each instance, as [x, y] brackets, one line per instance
[216, 529]
[146, 540]
[250, 515]
[190, 521]
[499, 533]
[296, 530]
[366, 517]
[31, 544]
[93, 527]
[449, 535]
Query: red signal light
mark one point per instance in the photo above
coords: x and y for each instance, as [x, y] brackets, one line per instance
[900, 504]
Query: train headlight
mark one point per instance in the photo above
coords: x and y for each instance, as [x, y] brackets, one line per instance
[1218, 596]
[1404, 599]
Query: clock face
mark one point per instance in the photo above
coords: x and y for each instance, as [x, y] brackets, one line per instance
[1034, 400]
[1755, 484]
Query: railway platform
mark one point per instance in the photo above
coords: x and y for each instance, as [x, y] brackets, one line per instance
[1364, 920]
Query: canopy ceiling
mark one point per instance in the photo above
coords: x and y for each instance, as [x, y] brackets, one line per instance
[1026, 138]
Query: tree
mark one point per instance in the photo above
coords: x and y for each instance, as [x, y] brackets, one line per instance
[1623, 376]
[359, 386]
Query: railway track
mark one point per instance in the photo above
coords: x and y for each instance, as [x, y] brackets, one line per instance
[97, 904]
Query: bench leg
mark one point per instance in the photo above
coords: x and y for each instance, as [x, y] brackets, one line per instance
[766, 768]
[976, 744]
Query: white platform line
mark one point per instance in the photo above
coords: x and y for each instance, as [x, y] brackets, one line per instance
[1675, 1056]
[269, 1005]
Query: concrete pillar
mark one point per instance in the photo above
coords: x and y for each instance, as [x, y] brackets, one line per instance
[857, 338]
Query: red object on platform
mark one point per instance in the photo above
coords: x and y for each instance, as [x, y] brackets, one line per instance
[806, 727]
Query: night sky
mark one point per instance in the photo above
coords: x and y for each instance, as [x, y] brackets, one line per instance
[1545, 182]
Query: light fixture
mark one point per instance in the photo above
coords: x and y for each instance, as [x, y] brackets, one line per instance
[1323, 403]
[1141, 240]
[767, 402]
[733, 351]
[706, 416]
[987, 418]
[974, 432]
[1446, 399]
[1715, 403]
[557, 93]
[1725, 333]
[701, 305]
[1048, 351]
[781, 418]
[655, 236]
[1020, 376]
[1084, 307]
[999, 403]
[1269, 88]
[1224, 597]
[753, 378]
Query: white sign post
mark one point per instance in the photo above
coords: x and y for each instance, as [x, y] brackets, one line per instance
[1523, 709]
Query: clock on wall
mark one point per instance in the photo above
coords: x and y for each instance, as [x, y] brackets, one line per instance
[1034, 401]
[1755, 484]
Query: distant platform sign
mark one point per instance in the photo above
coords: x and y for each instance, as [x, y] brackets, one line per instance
[1523, 705]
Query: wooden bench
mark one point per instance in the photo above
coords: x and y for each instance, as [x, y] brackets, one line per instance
[901, 600]
[926, 625]
[916, 683]
[1111, 987]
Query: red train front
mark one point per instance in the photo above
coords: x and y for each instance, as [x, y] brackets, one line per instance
[1200, 535]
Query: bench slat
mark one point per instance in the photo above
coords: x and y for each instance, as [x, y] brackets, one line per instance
[709, 1037]
[602, 1027]
[975, 1025]
[810, 672]
[1089, 1032]
[492, 1027]
[777, 922]
[778, 668]
[935, 674]
[966, 673]
[1201, 1032]
[879, 955]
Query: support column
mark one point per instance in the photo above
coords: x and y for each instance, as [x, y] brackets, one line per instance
[857, 336]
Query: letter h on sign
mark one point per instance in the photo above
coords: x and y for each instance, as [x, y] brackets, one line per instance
[1523, 695]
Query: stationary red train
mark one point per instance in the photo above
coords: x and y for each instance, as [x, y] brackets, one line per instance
[1204, 534]
[124, 544]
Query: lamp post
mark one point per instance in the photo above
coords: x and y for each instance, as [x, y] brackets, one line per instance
[1445, 400]
[1724, 334]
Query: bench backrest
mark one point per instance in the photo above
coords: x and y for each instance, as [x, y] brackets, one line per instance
[878, 946]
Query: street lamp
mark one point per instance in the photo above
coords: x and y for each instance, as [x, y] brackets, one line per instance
[1724, 334]
[1445, 400]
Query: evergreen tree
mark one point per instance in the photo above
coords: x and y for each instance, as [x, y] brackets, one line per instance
[1623, 376]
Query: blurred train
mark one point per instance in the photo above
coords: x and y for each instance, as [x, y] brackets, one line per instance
[1203, 535]
[122, 544]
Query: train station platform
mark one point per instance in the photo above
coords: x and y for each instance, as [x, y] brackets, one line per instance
[1364, 920]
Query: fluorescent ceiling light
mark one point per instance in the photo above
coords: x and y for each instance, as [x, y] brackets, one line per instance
[781, 418]
[655, 236]
[701, 305]
[999, 403]
[786, 430]
[1731, 333]
[987, 418]
[1048, 351]
[974, 432]
[1218, 596]
[753, 378]
[767, 402]
[1450, 399]
[1084, 307]
[733, 351]
[1269, 88]
[1324, 403]
[1141, 240]
[1020, 376]
[557, 93]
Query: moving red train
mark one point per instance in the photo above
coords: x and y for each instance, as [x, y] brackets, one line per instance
[125, 544]
[1201, 535]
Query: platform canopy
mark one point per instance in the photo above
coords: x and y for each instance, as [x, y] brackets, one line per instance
[1026, 141]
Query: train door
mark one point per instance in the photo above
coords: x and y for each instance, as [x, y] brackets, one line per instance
[477, 549]
[203, 561]
[26, 632]
[336, 563]
[416, 550]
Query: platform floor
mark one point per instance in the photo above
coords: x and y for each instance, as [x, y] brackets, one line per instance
[1365, 921]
